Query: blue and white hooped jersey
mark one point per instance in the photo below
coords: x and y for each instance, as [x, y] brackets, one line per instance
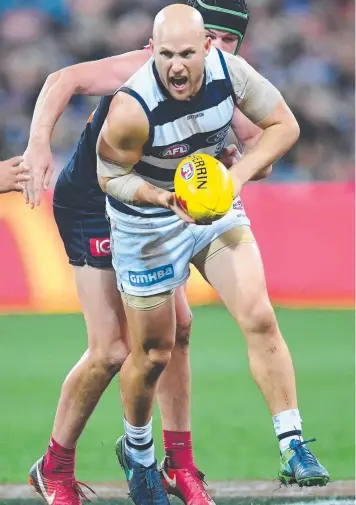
[179, 128]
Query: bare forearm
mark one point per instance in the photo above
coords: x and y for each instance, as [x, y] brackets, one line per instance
[51, 102]
[149, 196]
[273, 143]
[262, 174]
[248, 134]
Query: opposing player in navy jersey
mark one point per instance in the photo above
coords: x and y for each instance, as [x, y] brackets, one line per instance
[186, 95]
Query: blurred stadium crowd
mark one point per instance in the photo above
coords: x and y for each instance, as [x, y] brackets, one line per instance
[305, 47]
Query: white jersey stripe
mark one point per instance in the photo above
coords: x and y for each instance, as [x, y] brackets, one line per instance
[183, 128]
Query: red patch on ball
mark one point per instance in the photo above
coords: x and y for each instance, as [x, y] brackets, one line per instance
[182, 203]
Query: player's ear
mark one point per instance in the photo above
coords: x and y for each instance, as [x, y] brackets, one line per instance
[151, 45]
[207, 46]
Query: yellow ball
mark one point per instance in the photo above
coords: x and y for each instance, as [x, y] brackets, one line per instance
[203, 187]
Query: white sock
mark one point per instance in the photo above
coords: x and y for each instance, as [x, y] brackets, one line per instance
[139, 436]
[288, 420]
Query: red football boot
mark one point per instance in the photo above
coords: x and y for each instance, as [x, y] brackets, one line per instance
[56, 492]
[185, 483]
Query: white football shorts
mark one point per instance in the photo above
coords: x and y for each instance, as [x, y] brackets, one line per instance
[151, 255]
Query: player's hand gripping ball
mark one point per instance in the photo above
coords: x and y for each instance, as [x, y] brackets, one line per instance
[203, 187]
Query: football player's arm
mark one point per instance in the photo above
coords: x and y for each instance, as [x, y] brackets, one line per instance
[248, 134]
[263, 104]
[101, 77]
[119, 149]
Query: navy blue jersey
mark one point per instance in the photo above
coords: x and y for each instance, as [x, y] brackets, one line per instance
[77, 185]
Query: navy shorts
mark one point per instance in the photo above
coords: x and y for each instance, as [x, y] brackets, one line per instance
[86, 236]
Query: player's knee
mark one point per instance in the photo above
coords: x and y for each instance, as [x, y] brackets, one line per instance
[183, 331]
[157, 361]
[261, 321]
[109, 358]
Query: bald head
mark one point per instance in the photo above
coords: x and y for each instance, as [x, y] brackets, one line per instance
[178, 21]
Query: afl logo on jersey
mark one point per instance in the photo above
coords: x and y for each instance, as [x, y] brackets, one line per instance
[187, 171]
[175, 151]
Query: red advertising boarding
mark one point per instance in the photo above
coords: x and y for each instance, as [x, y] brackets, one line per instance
[305, 232]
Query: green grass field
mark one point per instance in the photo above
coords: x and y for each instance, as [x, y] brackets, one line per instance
[232, 429]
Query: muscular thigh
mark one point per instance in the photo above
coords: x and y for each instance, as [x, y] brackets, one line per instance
[102, 306]
[152, 329]
[237, 274]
